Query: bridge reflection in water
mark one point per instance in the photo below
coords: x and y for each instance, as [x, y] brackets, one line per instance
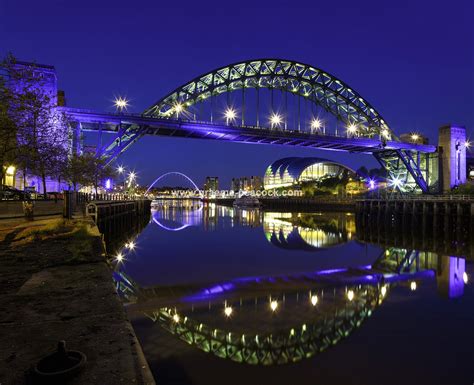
[273, 320]
[305, 231]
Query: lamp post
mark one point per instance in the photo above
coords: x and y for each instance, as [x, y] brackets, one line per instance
[121, 104]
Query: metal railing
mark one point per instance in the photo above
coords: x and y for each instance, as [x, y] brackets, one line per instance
[425, 198]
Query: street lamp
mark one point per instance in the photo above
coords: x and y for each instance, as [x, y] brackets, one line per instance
[395, 182]
[275, 120]
[351, 129]
[178, 108]
[315, 124]
[10, 170]
[467, 144]
[121, 104]
[230, 115]
[386, 133]
[415, 137]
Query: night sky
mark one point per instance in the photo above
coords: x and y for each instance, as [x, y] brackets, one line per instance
[413, 60]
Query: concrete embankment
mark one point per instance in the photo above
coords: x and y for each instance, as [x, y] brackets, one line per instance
[56, 285]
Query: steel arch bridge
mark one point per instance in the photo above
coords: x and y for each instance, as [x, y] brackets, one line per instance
[190, 112]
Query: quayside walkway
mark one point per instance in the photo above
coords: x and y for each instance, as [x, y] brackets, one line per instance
[56, 285]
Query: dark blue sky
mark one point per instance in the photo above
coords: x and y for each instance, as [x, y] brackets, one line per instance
[413, 60]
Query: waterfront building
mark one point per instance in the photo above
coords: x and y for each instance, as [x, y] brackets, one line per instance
[23, 179]
[294, 171]
[252, 183]
[212, 183]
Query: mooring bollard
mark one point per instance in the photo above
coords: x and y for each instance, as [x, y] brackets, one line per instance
[68, 204]
[28, 209]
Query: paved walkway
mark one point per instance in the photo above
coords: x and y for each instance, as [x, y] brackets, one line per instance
[57, 285]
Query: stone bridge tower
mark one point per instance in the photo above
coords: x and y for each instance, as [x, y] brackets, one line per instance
[452, 150]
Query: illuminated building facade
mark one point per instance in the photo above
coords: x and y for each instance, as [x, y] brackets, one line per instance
[212, 183]
[252, 183]
[293, 171]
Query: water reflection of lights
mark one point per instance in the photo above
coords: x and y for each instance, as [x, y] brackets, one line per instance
[350, 295]
[314, 300]
[273, 305]
[413, 285]
[228, 311]
[185, 213]
[307, 231]
[261, 340]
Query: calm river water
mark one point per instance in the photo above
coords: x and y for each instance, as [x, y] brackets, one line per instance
[221, 295]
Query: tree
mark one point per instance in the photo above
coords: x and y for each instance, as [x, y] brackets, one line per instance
[76, 170]
[362, 172]
[378, 173]
[8, 128]
[42, 141]
[98, 171]
[87, 170]
[464, 189]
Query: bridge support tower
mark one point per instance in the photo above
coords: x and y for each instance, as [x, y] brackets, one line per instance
[452, 149]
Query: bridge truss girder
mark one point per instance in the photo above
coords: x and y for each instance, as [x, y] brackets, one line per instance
[408, 170]
[309, 82]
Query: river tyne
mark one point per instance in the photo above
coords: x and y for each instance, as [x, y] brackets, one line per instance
[224, 295]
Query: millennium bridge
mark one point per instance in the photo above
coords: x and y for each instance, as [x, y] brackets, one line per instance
[273, 102]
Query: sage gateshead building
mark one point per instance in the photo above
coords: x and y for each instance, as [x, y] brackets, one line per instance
[293, 171]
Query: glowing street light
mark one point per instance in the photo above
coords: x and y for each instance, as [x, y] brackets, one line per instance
[386, 133]
[121, 104]
[230, 115]
[413, 285]
[314, 300]
[350, 295]
[465, 278]
[119, 257]
[316, 124]
[275, 120]
[10, 170]
[120, 169]
[273, 305]
[228, 311]
[395, 182]
[371, 184]
[178, 108]
[467, 144]
[132, 176]
[130, 245]
[415, 137]
[351, 129]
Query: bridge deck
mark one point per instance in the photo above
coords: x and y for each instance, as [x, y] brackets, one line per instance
[107, 122]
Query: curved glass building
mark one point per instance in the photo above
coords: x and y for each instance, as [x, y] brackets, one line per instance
[292, 171]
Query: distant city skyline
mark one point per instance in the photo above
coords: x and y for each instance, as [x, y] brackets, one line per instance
[406, 59]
